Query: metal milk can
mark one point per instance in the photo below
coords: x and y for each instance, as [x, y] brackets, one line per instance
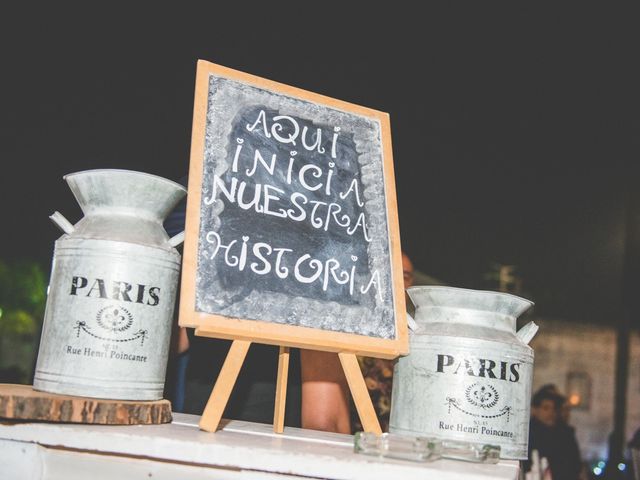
[112, 290]
[468, 376]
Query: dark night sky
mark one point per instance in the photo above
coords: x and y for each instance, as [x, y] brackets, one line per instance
[514, 130]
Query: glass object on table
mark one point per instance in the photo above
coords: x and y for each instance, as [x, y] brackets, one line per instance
[423, 449]
[418, 449]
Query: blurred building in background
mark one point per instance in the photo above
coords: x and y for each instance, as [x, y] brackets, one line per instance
[580, 360]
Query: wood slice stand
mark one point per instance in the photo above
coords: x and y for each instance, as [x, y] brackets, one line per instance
[23, 403]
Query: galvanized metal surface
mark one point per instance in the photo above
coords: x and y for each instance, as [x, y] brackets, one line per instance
[112, 290]
[468, 376]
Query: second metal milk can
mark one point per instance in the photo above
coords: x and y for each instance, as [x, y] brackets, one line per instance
[112, 290]
[468, 376]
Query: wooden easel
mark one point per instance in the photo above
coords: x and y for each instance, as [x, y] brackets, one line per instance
[231, 368]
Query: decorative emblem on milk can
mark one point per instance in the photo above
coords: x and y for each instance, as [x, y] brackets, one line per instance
[113, 322]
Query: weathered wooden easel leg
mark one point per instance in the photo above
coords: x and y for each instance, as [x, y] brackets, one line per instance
[359, 392]
[281, 390]
[224, 385]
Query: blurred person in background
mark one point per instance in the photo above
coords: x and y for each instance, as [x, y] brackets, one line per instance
[552, 437]
[565, 429]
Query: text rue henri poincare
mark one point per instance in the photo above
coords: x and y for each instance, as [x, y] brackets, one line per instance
[110, 352]
[238, 187]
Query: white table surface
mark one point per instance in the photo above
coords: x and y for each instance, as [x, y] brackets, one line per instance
[180, 450]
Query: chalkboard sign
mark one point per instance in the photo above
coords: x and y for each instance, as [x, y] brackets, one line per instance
[292, 230]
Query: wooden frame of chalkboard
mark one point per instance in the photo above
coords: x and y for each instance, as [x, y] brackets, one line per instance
[292, 234]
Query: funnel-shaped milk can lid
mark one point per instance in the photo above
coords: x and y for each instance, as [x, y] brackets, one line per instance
[112, 191]
[474, 307]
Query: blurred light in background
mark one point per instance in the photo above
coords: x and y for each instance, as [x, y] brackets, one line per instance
[579, 390]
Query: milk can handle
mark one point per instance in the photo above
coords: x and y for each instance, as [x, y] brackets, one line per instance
[177, 239]
[62, 223]
[413, 326]
[526, 333]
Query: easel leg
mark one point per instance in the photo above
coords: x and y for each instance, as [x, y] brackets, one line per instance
[360, 394]
[281, 390]
[224, 385]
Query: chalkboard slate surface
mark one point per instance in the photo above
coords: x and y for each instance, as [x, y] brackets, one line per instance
[291, 225]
